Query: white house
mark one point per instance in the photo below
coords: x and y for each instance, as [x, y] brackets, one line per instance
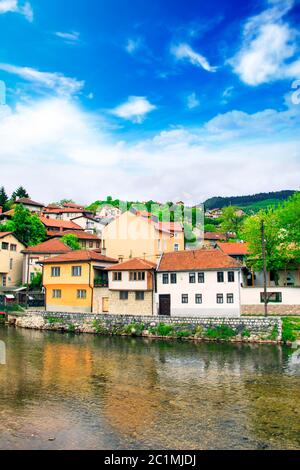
[203, 282]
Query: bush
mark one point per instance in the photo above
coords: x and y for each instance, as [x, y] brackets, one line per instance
[246, 333]
[53, 320]
[220, 332]
[161, 330]
[290, 326]
[135, 329]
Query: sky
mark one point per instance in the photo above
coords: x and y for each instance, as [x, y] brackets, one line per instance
[163, 100]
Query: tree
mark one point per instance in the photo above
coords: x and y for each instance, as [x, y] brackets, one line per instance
[36, 282]
[230, 220]
[3, 198]
[18, 193]
[72, 241]
[27, 227]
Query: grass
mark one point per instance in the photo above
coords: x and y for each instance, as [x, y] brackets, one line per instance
[290, 328]
[11, 308]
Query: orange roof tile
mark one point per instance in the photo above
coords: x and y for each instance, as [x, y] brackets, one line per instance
[50, 246]
[134, 264]
[80, 255]
[214, 236]
[64, 224]
[4, 234]
[232, 248]
[80, 234]
[202, 259]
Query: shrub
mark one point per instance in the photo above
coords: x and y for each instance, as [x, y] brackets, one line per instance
[53, 320]
[161, 330]
[220, 332]
[288, 330]
[246, 333]
[135, 328]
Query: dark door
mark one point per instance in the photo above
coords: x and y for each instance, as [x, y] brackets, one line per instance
[165, 304]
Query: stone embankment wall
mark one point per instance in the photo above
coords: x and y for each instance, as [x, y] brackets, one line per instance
[257, 329]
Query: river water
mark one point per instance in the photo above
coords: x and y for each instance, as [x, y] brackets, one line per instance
[87, 392]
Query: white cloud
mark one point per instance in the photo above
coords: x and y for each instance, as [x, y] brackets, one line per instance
[56, 82]
[135, 109]
[192, 101]
[71, 37]
[57, 150]
[14, 6]
[132, 45]
[270, 49]
[185, 52]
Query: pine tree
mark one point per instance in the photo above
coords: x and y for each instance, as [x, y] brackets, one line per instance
[20, 192]
[3, 198]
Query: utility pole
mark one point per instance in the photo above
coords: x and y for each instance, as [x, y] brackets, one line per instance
[263, 246]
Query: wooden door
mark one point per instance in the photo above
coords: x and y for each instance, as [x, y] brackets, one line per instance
[165, 304]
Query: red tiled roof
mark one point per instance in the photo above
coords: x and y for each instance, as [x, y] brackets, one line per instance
[64, 224]
[80, 234]
[8, 213]
[50, 246]
[4, 234]
[136, 264]
[63, 210]
[30, 202]
[203, 259]
[234, 248]
[214, 236]
[80, 255]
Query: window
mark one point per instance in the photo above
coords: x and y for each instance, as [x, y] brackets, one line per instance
[81, 294]
[201, 278]
[83, 243]
[139, 296]
[230, 276]
[275, 297]
[220, 276]
[176, 247]
[76, 271]
[185, 299]
[97, 244]
[173, 278]
[124, 295]
[198, 298]
[5, 246]
[137, 275]
[192, 278]
[230, 299]
[13, 247]
[4, 280]
[220, 299]
[91, 244]
[165, 278]
[56, 294]
[55, 272]
[117, 276]
[10, 263]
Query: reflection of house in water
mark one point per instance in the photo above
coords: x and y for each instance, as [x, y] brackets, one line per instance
[68, 367]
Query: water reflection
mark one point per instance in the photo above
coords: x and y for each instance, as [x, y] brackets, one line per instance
[93, 392]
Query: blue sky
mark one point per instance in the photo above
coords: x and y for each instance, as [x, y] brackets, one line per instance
[161, 99]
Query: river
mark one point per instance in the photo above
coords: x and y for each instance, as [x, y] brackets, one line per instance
[88, 392]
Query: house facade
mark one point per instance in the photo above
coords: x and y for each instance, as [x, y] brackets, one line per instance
[31, 205]
[11, 260]
[131, 287]
[34, 255]
[202, 282]
[133, 236]
[76, 282]
[89, 224]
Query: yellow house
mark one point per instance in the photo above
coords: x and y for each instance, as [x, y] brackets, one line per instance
[11, 260]
[135, 236]
[76, 282]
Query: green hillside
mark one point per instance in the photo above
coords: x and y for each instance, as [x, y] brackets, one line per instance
[250, 203]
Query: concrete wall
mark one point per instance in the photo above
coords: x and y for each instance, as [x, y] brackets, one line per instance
[209, 290]
[251, 303]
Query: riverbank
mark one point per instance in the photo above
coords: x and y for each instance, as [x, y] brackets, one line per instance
[239, 329]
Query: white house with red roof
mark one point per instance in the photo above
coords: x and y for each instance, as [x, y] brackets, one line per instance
[203, 282]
